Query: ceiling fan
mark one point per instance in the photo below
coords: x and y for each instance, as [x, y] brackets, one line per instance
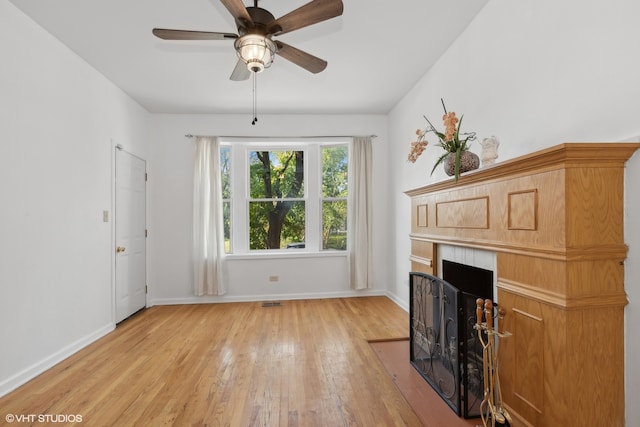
[256, 28]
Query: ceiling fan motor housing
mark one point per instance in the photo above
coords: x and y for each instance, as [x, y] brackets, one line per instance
[261, 19]
[254, 45]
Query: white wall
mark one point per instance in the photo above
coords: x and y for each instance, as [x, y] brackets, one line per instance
[58, 118]
[171, 183]
[535, 74]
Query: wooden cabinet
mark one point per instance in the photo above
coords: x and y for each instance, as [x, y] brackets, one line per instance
[555, 220]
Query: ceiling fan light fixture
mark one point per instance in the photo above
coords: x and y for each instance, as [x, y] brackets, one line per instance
[256, 51]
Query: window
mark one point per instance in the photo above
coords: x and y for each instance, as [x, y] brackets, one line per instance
[334, 197]
[286, 197]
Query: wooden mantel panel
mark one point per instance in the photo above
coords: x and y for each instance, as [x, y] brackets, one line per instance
[488, 215]
[578, 203]
[555, 220]
[535, 380]
[578, 361]
[522, 210]
[594, 198]
[467, 213]
[566, 284]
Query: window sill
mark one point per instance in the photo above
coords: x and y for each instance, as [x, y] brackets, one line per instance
[287, 254]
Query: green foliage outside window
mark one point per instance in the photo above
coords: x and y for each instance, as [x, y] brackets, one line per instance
[277, 208]
[334, 195]
[225, 175]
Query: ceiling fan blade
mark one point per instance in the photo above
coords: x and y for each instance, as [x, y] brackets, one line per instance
[241, 72]
[166, 34]
[309, 14]
[239, 13]
[303, 59]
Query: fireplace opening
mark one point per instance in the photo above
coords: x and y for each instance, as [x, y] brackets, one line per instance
[469, 279]
[444, 346]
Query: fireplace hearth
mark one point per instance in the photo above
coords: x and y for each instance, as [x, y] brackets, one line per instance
[444, 346]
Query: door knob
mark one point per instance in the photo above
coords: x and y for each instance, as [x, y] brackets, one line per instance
[120, 249]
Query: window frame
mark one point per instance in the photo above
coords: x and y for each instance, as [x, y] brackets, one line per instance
[313, 197]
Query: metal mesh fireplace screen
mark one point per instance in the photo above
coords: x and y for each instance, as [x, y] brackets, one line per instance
[444, 347]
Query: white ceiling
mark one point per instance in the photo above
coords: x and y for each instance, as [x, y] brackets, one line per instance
[377, 50]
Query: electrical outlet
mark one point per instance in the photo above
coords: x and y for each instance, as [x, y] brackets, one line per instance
[274, 278]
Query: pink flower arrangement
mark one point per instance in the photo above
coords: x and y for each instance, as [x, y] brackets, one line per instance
[452, 140]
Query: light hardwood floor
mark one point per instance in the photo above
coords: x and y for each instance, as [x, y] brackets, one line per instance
[305, 363]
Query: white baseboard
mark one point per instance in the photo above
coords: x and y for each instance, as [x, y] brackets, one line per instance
[268, 297]
[398, 301]
[15, 381]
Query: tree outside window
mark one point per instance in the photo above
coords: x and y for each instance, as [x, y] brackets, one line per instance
[334, 197]
[225, 173]
[277, 204]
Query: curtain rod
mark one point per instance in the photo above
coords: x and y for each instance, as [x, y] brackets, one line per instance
[285, 137]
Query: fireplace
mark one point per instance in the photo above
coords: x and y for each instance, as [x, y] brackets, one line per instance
[559, 247]
[444, 345]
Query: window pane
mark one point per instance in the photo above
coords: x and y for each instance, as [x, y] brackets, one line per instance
[276, 174]
[334, 225]
[226, 218]
[334, 171]
[277, 224]
[225, 177]
[225, 171]
[278, 177]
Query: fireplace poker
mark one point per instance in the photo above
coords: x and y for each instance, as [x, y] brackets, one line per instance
[498, 390]
[491, 410]
[480, 326]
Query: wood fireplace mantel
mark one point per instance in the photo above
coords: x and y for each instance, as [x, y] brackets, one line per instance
[555, 219]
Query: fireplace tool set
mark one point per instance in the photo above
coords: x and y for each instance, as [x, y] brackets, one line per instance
[491, 410]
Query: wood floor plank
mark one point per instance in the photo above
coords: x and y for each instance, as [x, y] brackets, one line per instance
[304, 363]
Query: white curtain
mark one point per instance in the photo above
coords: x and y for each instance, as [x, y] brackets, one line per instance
[360, 214]
[208, 231]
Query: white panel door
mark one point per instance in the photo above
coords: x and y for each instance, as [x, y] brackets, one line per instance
[130, 232]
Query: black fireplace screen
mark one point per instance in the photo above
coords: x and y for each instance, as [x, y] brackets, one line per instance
[444, 346]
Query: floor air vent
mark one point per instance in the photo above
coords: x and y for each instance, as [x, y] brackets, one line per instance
[271, 304]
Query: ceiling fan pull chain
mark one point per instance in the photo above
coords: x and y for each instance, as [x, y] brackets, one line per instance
[255, 98]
